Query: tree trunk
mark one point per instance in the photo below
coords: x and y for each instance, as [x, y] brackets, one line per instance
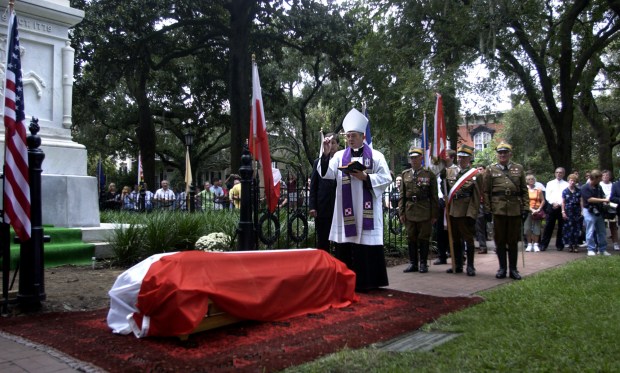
[145, 131]
[241, 14]
[146, 140]
[451, 114]
[605, 145]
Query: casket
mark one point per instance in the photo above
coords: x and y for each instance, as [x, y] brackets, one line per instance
[182, 293]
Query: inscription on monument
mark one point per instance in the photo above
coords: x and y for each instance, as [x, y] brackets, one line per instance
[31, 24]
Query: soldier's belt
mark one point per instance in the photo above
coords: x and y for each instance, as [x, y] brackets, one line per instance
[462, 195]
[417, 198]
[508, 193]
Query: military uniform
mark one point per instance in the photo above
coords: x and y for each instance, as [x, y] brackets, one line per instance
[417, 207]
[506, 197]
[463, 211]
[440, 229]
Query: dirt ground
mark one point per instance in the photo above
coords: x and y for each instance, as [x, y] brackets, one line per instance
[78, 288]
[82, 288]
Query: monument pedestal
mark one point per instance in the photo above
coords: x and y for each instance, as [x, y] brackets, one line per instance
[69, 197]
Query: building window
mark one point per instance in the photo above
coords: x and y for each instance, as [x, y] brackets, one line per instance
[482, 140]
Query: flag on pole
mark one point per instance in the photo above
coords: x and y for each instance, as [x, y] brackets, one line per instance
[140, 171]
[259, 142]
[322, 137]
[439, 135]
[188, 172]
[368, 139]
[16, 181]
[100, 176]
[425, 145]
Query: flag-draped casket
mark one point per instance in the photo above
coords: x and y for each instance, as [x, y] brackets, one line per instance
[169, 294]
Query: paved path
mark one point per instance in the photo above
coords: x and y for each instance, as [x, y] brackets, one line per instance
[19, 356]
[438, 282]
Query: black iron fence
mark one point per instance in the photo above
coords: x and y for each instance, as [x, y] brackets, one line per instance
[289, 226]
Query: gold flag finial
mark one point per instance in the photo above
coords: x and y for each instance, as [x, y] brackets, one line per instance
[253, 57]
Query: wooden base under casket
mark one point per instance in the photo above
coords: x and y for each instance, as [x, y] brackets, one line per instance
[215, 318]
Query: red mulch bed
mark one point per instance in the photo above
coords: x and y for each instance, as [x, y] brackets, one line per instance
[245, 347]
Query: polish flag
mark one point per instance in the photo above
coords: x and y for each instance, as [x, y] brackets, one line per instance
[259, 142]
[439, 136]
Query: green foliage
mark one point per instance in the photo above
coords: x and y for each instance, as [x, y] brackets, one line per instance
[523, 132]
[540, 324]
[139, 236]
[126, 242]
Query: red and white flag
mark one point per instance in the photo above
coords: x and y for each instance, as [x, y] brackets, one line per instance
[259, 142]
[439, 135]
[140, 171]
[16, 182]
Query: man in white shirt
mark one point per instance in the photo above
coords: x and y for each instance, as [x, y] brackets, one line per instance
[554, 191]
[164, 197]
[218, 194]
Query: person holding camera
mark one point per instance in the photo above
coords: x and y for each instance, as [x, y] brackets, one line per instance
[594, 202]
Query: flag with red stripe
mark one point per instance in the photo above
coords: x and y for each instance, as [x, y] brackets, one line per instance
[259, 142]
[16, 182]
[140, 171]
[440, 142]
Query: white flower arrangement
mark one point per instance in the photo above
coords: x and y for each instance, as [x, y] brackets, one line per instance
[214, 242]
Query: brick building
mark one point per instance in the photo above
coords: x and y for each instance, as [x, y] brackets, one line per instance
[477, 130]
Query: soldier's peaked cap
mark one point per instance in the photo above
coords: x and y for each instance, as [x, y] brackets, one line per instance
[414, 151]
[465, 151]
[503, 146]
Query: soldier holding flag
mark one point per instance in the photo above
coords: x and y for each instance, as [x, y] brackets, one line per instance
[463, 203]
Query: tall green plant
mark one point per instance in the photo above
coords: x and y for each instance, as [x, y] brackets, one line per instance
[126, 243]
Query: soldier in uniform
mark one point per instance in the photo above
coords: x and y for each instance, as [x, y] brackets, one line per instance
[506, 201]
[418, 209]
[464, 204]
[440, 230]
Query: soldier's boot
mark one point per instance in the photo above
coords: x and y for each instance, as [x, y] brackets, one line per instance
[458, 259]
[513, 256]
[423, 246]
[471, 270]
[501, 257]
[413, 258]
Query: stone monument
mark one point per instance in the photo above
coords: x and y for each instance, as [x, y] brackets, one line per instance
[69, 196]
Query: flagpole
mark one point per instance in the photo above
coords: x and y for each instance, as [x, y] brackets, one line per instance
[6, 57]
[253, 124]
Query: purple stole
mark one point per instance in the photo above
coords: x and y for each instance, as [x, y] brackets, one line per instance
[347, 197]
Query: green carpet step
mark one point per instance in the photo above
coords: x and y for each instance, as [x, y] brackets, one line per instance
[65, 247]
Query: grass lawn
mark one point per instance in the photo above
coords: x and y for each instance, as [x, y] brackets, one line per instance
[562, 320]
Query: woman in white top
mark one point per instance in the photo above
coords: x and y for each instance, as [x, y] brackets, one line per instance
[613, 225]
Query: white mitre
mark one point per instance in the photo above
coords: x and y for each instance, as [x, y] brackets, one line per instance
[355, 121]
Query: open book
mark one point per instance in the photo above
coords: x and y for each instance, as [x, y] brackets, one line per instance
[352, 166]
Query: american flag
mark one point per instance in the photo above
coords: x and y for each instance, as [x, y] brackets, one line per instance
[16, 186]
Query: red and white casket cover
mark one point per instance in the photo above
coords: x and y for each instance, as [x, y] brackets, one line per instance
[168, 294]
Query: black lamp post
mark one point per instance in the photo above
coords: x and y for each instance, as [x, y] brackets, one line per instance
[189, 140]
